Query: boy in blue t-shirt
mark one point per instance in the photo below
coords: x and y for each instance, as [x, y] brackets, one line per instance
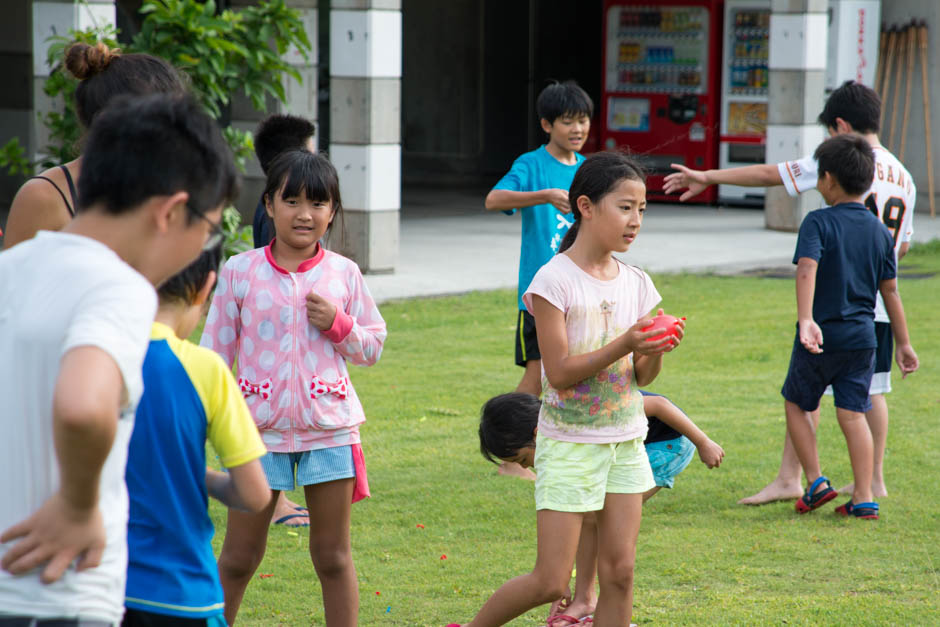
[844, 254]
[537, 185]
[190, 397]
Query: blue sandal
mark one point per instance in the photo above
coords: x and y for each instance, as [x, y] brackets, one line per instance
[812, 499]
[862, 510]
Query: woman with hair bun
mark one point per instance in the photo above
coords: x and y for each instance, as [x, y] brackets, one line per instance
[48, 200]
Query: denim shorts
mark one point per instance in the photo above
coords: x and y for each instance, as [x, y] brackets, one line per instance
[668, 458]
[848, 372]
[309, 467]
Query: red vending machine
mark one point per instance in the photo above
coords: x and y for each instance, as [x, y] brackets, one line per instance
[661, 84]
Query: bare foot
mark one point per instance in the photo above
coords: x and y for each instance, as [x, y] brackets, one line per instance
[285, 507]
[776, 490]
[878, 490]
[512, 469]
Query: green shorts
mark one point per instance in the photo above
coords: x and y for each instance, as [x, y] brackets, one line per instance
[575, 477]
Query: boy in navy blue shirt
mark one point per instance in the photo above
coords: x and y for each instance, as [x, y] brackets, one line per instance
[844, 254]
[537, 185]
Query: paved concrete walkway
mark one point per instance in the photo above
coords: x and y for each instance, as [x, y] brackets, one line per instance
[451, 245]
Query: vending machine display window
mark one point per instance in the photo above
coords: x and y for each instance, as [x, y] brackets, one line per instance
[744, 93]
[628, 114]
[661, 69]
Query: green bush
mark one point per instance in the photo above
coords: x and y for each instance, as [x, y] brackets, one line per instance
[222, 53]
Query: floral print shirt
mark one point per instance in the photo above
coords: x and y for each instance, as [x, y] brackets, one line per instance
[606, 407]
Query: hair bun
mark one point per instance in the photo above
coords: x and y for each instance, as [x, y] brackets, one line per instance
[84, 61]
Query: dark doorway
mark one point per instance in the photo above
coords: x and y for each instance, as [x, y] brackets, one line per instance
[471, 71]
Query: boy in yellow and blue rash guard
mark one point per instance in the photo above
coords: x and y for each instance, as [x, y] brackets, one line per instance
[190, 396]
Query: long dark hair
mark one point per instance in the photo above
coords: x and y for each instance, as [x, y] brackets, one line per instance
[598, 176]
[104, 73]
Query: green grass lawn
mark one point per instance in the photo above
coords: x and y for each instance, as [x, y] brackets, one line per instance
[702, 559]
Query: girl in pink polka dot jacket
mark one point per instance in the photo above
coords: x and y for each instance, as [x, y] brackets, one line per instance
[293, 313]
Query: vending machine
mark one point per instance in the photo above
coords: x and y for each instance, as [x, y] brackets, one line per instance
[744, 93]
[661, 82]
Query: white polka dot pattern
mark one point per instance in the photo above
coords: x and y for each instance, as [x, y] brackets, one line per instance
[312, 404]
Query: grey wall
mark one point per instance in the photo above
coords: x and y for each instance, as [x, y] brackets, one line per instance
[915, 156]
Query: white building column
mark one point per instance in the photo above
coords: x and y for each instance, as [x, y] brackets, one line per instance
[57, 17]
[301, 100]
[365, 127]
[797, 63]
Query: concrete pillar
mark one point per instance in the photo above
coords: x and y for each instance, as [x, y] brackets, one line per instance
[365, 127]
[301, 101]
[57, 17]
[797, 63]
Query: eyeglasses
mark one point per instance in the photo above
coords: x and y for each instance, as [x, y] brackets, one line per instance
[215, 230]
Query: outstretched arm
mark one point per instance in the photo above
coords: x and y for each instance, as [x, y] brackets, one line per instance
[710, 453]
[697, 181]
[86, 403]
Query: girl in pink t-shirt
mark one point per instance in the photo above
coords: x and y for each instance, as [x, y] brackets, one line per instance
[293, 314]
[589, 311]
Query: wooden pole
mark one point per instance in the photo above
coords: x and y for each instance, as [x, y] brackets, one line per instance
[922, 38]
[889, 63]
[880, 69]
[904, 39]
[907, 94]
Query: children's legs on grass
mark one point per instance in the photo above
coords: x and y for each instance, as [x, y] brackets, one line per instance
[803, 435]
[531, 382]
[877, 418]
[246, 537]
[786, 485]
[558, 534]
[330, 506]
[858, 437]
[585, 594]
[618, 526]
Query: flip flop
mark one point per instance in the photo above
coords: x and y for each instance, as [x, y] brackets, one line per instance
[283, 520]
[569, 621]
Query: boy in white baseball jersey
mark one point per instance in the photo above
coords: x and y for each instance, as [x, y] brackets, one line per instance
[852, 108]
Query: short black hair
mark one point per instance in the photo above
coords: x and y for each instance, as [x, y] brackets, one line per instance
[855, 103]
[849, 159]
[279, 133]
[183, 286]
[561, 99]
[156, 145]
[507, 424]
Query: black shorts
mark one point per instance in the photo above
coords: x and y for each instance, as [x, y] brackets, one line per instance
[849, 373]
[140, 618]
[527, 342]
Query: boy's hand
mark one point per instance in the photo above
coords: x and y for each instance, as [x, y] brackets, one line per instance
[907, 359]
[320, 312]
[558, 198]
[710, 453]
[811, 336]
[55, 535]
[694, 180]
